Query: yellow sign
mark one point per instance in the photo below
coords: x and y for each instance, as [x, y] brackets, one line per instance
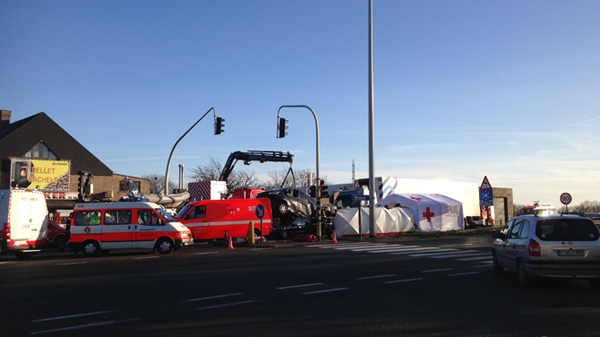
[45, 175]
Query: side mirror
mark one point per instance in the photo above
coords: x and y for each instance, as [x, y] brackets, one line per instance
[500, 236]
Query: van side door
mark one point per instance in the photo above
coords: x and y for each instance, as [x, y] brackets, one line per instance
[148, 228]
[117, 229]
[221, 216]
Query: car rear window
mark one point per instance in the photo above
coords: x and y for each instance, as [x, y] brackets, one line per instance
[567, 230]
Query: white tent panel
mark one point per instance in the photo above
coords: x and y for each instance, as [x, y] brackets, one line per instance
[388, 222]
[432, 212]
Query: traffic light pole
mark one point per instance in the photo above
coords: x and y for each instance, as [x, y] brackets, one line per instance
[318, 159]
[177, 142]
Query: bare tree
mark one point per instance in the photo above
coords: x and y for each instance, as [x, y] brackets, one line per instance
[277, 177]
[157, 183]
[237, 178]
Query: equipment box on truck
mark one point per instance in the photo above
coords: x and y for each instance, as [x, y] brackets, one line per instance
[209, 219]
[23, 221]
[100, 227]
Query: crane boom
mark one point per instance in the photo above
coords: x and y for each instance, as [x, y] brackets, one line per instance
[250, 156]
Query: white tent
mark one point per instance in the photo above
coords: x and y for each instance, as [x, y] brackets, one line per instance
[432, 212]
[388, 222]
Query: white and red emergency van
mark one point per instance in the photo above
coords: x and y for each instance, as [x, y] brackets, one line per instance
[100, 227]
[23, 221]
[209, 219]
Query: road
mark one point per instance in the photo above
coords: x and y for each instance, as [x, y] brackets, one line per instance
[425, 287]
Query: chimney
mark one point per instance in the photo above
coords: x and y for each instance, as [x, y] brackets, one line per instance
[5, 122]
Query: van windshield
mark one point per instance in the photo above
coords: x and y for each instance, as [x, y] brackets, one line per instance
[184, 211]
[164, 214]
[567, 230]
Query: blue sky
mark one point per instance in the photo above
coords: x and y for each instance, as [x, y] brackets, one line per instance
[463, 89]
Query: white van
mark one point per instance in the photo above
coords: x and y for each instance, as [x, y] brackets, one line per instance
[100, 227]
[23, 221]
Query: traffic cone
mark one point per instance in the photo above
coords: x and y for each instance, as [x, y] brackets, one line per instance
[230, 244]
[334, 238]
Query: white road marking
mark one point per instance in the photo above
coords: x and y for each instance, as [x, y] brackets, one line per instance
[449, 256]
[475, 258]
[71, 263]
[76, 327]
[417, 250]
[299, 286]
[404, 280]
[72, 316]
[378, 276]
[206, 253]
[462, 274]
[225, 305]
[211, 297]
[435, 252]
[323, 291]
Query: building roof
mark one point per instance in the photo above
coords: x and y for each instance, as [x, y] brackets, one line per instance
[21, 136]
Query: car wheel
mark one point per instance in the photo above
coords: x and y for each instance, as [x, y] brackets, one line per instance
[498, 269]
[22, 256]
[60, 242]
[90, 248]
[282, 208]
[164, 246]
[524, 279]
[594, 283]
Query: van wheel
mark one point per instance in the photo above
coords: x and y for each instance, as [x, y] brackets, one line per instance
[23, 256]
[90, 248]
[164, 246]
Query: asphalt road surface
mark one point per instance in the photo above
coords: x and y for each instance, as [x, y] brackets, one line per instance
[427, 287]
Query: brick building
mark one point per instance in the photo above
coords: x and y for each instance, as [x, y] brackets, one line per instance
[35, 152]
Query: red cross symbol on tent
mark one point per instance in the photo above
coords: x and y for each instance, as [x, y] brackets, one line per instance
[417, 199]
[428, 214]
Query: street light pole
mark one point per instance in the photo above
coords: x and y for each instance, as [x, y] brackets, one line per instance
[318, 175]
[177, 142]
[371, 129]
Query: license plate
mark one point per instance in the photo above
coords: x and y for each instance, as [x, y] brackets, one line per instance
[574, 252]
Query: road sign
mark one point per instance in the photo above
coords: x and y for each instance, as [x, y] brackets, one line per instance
[485, 185]
[365, 197]
[486, 197]
[260, 211]
[565, 198]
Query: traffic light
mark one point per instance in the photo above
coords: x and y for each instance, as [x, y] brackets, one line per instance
[281, 127]
[219, 125]
[323, 187]
[311, 192]
[80, 187]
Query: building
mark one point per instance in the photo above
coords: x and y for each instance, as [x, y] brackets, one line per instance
[35, 152]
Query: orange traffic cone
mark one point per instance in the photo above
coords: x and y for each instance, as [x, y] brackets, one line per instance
[334, 238]
[230, 244]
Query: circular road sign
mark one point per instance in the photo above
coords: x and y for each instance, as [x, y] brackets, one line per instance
[260, 211]
[565, 198]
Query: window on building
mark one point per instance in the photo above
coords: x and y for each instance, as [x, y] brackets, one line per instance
[125, 185]
[40, 150]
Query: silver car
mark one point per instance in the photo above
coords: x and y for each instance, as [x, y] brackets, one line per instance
[563, 246]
